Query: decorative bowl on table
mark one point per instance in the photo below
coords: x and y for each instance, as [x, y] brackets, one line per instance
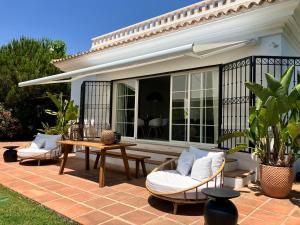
[107, 137]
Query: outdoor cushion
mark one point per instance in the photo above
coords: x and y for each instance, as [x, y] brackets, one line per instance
[50, 140]
[217, 160]
[217, 157]
[32, 152]
[185, 162]
[202, 168]
[38, 142]
[197, 152]
[172, 181]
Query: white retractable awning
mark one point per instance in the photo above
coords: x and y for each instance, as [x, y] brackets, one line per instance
[194, 50]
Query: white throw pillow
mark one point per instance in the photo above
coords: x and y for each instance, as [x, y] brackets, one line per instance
[217, 160]
[185, 162]
[197, 152]
[202, 168]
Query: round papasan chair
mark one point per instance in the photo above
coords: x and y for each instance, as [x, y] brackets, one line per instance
[167, 183]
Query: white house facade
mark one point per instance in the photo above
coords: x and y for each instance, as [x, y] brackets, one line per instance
[178, 79]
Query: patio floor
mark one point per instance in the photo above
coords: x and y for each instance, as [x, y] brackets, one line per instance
[76, 195]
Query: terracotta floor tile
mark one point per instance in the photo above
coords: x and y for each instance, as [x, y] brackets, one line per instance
[254, 221]
[117, 209]
[136, 202]
[123, 187]
[185, 219]
[120, 196]
[68, 191]
[47, 197]
[83, 196]
[268, 216]
[244, 209]
[163, 221]
[60, 204]
[139, 217]
[115, 222]
[76, 211]
[278, 208]
[248, 201]
[99, 203]
[93, 218]
[292, 221]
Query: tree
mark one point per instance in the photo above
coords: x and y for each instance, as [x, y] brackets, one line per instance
[27, 59]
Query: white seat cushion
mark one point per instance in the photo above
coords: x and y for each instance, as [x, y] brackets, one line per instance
[172, 181]
[32, 152]
[185, 162]
[169, 181]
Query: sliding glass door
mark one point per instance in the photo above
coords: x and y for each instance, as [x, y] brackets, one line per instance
[125, 108]
[194, 106]
[178, 107]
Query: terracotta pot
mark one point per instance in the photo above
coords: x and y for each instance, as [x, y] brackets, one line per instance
[276, 182]
[107, 137]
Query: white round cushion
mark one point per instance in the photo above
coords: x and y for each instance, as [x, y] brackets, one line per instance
[32, 152]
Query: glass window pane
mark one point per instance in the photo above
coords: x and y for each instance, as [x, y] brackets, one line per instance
[125, 108]
[195, 133]
[195, 115]
[178, 116]
[196, 81]
[197, 98]
[179, 132]
[210, 133]
[178, 99]
[180, 83]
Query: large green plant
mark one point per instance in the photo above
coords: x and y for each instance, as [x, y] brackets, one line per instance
[66, 111]
[274, 122]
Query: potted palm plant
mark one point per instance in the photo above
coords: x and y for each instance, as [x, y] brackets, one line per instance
[274, 132]
[66, 112]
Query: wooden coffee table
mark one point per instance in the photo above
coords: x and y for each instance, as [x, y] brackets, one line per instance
[67, 147]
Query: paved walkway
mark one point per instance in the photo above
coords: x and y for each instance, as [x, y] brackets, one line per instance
[76, 195]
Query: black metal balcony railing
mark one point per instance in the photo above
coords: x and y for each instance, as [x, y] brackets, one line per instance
[236, 99]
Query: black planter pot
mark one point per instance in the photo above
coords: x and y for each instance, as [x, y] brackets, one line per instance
[220, 211]
[10, 156]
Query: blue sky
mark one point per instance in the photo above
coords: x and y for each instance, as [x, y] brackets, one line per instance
[76, 21]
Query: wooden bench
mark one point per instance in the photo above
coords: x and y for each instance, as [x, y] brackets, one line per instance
[139, 159]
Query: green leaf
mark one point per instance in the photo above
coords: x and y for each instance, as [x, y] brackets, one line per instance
[273, 84]
[258, 90]
[237, 148]
[230, 136]
[286, 80]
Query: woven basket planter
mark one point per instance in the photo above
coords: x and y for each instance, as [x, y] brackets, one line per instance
[276, 182]
[107, 137]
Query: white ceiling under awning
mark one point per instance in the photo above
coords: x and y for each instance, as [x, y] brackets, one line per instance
[194, 50]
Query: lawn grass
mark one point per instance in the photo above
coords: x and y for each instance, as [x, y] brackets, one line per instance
[17, 210]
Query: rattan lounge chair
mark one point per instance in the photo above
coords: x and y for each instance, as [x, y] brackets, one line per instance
[43, 147]
[180, 189]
